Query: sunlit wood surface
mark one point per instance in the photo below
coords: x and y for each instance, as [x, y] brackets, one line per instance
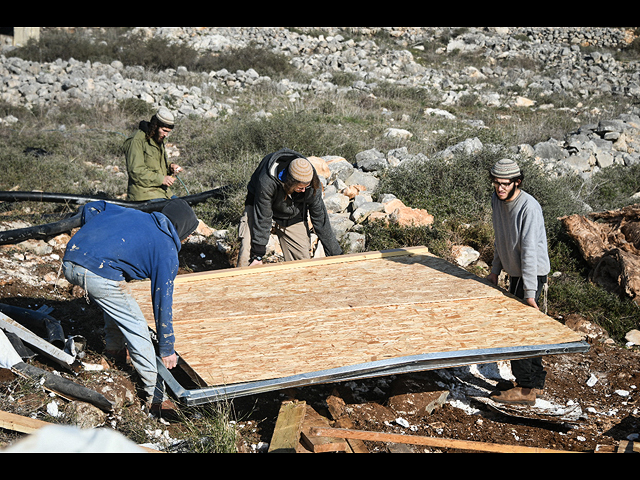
[272, 322]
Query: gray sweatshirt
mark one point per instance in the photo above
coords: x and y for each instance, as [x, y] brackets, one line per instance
[521, 241]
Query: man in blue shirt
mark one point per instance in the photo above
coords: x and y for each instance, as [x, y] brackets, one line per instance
[117, 245]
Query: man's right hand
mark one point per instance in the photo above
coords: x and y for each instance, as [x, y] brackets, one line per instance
[169, 181]
[493, 278]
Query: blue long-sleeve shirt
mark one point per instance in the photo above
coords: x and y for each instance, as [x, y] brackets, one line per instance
[122, 244]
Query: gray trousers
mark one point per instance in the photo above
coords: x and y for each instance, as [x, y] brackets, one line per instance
[530, 372]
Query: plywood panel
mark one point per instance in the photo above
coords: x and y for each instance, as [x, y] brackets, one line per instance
[262, 324]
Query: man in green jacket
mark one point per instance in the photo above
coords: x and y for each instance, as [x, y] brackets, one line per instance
[151, 175]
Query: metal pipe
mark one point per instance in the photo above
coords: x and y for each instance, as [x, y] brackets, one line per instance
[51, 230]
[385, 368]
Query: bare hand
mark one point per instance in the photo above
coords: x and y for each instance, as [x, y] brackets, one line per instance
[170, 362]
[532, 303]
[176, 169]
[256, 263]
[169, 181]
[493, 278]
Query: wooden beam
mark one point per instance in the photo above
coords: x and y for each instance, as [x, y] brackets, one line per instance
[16, 423]
[288, 266]
[286, 436]
[428, 442]
[629, 447]
[41, 345]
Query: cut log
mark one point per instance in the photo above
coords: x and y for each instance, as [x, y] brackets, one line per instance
[588, 236]
[16, 423]
[610, 244]
[619, 271]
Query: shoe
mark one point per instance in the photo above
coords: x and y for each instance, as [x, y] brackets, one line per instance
[504, 386]
[516, 396]
[166, 410]
[120, 357]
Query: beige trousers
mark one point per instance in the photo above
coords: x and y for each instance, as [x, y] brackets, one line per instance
[294, 240]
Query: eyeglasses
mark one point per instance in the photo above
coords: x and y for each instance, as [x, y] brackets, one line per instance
[499, 185]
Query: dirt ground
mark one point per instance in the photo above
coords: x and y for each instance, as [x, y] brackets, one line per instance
[591, 399]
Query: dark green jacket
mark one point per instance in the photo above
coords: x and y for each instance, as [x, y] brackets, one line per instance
[147, 165]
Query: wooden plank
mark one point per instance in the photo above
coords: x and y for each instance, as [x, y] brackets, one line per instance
[288, 266]
[318, 444]
[39, 344]
[303, 317]
[286, 436]
[16, 423]
[629, 447]
[430, 442]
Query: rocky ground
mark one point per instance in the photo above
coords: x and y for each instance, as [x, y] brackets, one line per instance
[591, 399]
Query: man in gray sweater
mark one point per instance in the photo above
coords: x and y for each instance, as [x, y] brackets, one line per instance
[521, 250]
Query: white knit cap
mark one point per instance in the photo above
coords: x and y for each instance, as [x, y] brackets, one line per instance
[165, 117]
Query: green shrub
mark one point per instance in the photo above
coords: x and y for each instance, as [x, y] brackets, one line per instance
[381, 236]
[156, 53]
[263, 61]
[571, 294]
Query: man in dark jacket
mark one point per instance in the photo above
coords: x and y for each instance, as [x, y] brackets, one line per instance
[284, 193]
[117, 245]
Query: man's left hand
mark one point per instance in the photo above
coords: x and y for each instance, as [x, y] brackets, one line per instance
[170, 362]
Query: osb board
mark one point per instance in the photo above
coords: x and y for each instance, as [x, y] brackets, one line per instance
[268, 323]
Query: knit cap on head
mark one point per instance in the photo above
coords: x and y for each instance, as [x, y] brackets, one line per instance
[506, 169]
[166, 118]
[301, 170]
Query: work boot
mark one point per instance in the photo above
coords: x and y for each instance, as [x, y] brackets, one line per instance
[120, 357]
[504, 386]
[516, 396]
[166, 410]
[539, 393]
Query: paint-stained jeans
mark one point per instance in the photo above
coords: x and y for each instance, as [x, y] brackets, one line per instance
[125, 325]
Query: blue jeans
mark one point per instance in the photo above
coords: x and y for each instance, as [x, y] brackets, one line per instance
[125, 325]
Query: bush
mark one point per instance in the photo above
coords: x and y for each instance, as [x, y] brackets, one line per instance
[114, 43]
[456, 189]
[267, 63]
[106, 46]
[571, 293]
